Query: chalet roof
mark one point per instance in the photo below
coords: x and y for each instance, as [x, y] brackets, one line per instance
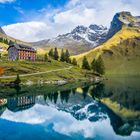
[22, 47]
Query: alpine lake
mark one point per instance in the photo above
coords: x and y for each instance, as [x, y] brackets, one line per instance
[109, 110]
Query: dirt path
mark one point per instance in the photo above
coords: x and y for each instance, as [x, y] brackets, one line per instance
[37, 73]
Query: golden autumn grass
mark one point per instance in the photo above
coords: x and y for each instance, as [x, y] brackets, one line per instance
[118, 53]
[123, 112]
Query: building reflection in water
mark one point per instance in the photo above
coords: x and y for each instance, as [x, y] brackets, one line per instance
[3, 103]
[20, 103]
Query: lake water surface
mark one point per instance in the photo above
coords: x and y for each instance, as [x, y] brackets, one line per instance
[106, 111]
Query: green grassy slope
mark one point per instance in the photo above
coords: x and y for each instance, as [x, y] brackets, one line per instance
[27, 67]
[121, 53]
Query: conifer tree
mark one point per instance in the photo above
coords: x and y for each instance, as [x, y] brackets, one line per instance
[11, 42]
[67, 56]
[100, 65]
[17, 81]
[85, 64]
[1, 39]
[46, 57]
[93, 65]
[51, 54]
[62, 57]
[5, 41]
[56, 55]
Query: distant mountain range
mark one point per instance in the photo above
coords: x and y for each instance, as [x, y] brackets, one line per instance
[94, 35]
[79, 40]
[82, 39]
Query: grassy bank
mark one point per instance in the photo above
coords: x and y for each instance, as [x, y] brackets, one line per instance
[12, 68]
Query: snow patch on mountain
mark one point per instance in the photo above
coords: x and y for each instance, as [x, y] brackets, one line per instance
[93, 34]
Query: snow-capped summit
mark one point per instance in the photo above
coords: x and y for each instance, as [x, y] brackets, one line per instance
[79, 40]
[122, 19]
[94, 35]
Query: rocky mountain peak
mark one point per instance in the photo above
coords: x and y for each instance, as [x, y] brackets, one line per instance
[94, 34]
[79, 29]
[122, 19]
[96, 27]
[88, 37]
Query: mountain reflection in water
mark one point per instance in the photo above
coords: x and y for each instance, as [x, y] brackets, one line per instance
[108, 110]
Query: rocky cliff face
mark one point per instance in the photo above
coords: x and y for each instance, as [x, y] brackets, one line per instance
[93, 35]
[122, 19]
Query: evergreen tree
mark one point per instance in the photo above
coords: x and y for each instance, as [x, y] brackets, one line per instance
[100, 65]
[46, 57]
[93, 65]
[5, 41]
[11, 42]
[85, 64]
[17, 81]
[56, 55]
[1, 39]
[67, 56]
[51, 54]
[62, 57]
[74, 61]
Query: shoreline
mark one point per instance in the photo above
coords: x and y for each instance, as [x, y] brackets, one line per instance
[95, 79]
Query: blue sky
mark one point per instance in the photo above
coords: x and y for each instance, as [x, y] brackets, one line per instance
[43, 19]
[11, 12]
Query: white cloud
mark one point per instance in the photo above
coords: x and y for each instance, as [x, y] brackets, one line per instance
[39, 115]
[5, 1]
[50, 23]
[65, 123]
[28, 31]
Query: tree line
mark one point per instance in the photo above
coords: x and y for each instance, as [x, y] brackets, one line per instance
[6, 41]
[97, 65]
[63, 57]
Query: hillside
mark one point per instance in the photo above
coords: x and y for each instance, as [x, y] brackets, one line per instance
[121, 53]
[4, 36]
[57, 71]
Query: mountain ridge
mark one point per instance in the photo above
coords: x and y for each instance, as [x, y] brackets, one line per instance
[81, 38]
[121, 51]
